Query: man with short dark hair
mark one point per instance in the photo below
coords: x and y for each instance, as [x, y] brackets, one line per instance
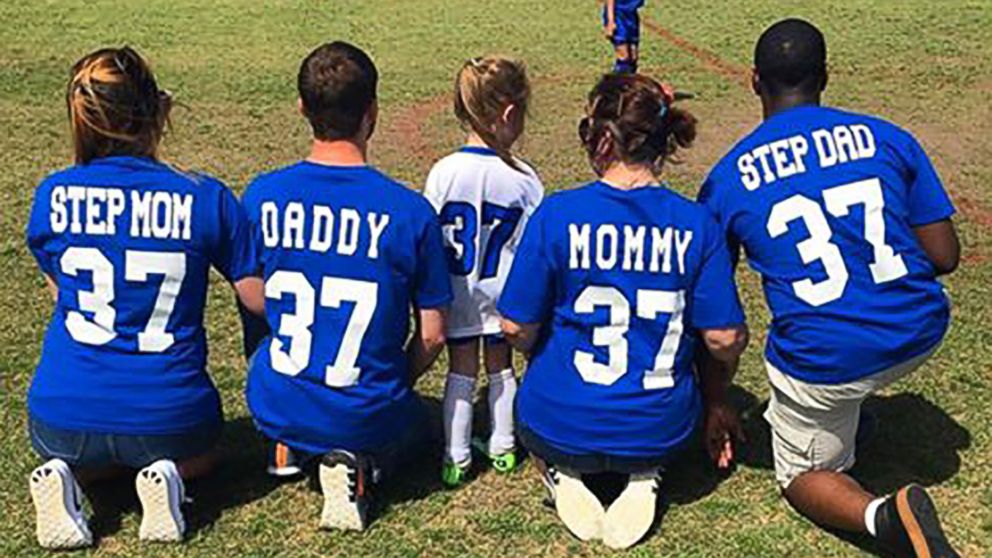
[345, 252]
[846, 220]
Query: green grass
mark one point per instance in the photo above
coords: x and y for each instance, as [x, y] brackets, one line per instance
[927, 65]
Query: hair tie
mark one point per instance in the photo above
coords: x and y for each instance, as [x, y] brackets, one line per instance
[663, 111]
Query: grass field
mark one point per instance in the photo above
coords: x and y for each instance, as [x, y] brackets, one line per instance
[926, 65]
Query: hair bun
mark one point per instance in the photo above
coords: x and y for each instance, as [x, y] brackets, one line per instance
[635, 115]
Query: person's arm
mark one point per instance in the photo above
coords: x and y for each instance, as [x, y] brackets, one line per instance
[251, 294]
[719, 320]
[251, 307]
[529, 292]
[717, 365]
[431, 296]
[427, 341]
[611, 22]
[930, 208]
[254, 329]
[521, 337]
[52, 287]
[940, 242]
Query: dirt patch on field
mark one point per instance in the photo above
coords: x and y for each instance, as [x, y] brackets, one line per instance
[708, 59]
[955, 146]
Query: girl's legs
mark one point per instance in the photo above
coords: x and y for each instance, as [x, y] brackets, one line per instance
[502, 391]
[626, 59]
[458, 393]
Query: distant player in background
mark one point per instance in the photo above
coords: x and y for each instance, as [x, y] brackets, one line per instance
[846, 220]
[126, 243]
[616, 286]
[622, 26]
[484, 196]
[347, 253]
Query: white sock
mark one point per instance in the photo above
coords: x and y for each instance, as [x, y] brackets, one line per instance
[458, 393]
[870, 512]
[502, 391]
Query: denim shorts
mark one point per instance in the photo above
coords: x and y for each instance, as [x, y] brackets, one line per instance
[93, 450]
[587, 464]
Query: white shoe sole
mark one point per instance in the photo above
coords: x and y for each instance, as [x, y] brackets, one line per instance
[56, 528]
[578, 508]
[339, 512]
[161, 518]
[284, 472]
[631, 514]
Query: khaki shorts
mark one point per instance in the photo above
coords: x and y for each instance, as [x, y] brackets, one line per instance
[814, 425]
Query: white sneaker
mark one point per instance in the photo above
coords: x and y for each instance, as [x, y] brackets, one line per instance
[632, 513]
[345, 479]
[58, 507]
[577, 507]
[161, 492]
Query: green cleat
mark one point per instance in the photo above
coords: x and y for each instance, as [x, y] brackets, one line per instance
[503, 462]
[453, 475]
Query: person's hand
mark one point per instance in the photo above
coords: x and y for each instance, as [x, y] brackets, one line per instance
[609, 29]
[722, 431]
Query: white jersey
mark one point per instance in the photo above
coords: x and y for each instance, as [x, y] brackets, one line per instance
[484, 205]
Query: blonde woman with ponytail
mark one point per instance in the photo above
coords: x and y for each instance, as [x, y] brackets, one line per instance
[484, 195]
[126, 243]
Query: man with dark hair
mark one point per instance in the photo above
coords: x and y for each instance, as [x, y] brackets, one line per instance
[346, 252]
[849, 225]
[337, 86]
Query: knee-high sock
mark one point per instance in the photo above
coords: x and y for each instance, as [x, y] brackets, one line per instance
[502, 391]
[458, 393]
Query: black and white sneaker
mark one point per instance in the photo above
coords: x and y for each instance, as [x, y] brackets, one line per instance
[630, 516]
[58, 506]
[577, 507]
[907, 524]
[162, 493]
[345, 479]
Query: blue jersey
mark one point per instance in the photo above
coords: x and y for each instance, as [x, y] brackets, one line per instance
[345, 252]
[129, 242]
[621, 281]
[824, 203]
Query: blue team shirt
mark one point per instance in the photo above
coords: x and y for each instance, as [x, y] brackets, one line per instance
[824, 203]
[346, 252]
[129, 242]
[621, 281]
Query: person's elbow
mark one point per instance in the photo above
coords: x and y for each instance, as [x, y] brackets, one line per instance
[940, 242]
[251, 294]
[726, 344]
[947, 262]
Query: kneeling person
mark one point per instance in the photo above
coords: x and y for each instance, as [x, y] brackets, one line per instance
[611, 288]
[847, 222]
[345, 252]
[126, 243]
